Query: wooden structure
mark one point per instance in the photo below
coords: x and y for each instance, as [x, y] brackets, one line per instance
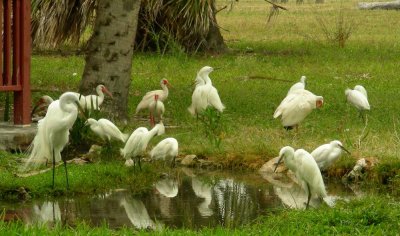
[15, 53]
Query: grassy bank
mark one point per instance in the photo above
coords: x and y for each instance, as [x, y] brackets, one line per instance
[370, 216]
[86, 179]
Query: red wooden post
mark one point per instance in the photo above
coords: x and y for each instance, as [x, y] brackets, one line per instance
[7, 42]
[1, 46]
[16, 39]
[22, 98]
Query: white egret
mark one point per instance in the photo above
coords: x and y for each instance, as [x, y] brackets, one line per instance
[361, 89]
[53, 132]
[205, 94]
[41, 106]
[106, 130]
[156, 108]
[326, 154]
[296, 106]
[93, 102]
[306, 170]
[137, 143]
[358, 98]
[299, 85]
[165, 150]
[203, 190]
[48, 212]
[167, 187]
[138, 215]
[149, 96]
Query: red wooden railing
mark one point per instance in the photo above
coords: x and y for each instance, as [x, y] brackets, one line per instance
[15, 55]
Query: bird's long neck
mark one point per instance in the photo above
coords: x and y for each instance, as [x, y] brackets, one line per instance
[165, 89]
[100, 93]
[70, 109]
[289, 161]
[151, 133]
[207, 79]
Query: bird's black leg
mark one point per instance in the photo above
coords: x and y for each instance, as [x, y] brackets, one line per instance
[54, 212]
[54, 166]
[173, 163]
[309, 196]
[140, 166]
[66, 173]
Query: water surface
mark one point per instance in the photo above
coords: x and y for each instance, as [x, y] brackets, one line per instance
[186, 198]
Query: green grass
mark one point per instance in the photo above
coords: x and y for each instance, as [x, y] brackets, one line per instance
[370, 216]
[97, 177]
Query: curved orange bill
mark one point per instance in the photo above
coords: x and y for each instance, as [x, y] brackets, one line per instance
[105, 90]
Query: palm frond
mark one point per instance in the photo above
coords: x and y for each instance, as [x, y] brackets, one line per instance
[186, 22]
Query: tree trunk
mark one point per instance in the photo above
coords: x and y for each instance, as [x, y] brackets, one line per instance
[214, 40]
[395, 5]
[109, 54]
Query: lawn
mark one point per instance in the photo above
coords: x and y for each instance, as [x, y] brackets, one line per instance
[264, 61]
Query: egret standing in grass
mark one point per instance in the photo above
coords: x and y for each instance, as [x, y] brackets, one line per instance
[137, 143]
[299, 85]
[165, 150]
[149, 96]
[53, 132]
[156, 108]
[106, 130]
[326, 154]
[93, 102]
[358, 98]
[306, 170]
[296, 106]
[205, 94]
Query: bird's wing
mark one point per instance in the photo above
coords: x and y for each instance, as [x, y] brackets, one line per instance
[321, 153]
[199, 81]
[358, 100]
[160, 150]
[295, 102]
[147, 99]
[199, 100]
[296, 86]
[92, 101]
[214, 99]
[362, 90]
[133, 141]
[309, 171]
[150, 94]
[111, 129]
[285, 102]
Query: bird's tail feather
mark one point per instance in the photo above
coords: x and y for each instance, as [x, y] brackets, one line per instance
[192, 110]
[39, 154]
[125, 137]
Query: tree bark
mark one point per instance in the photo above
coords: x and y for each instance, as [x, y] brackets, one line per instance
[109, 53]
[395, 5]
[214, 40]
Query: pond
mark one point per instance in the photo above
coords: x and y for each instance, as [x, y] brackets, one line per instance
[187, 198]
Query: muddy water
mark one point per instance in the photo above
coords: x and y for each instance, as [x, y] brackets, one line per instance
[187, 198]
